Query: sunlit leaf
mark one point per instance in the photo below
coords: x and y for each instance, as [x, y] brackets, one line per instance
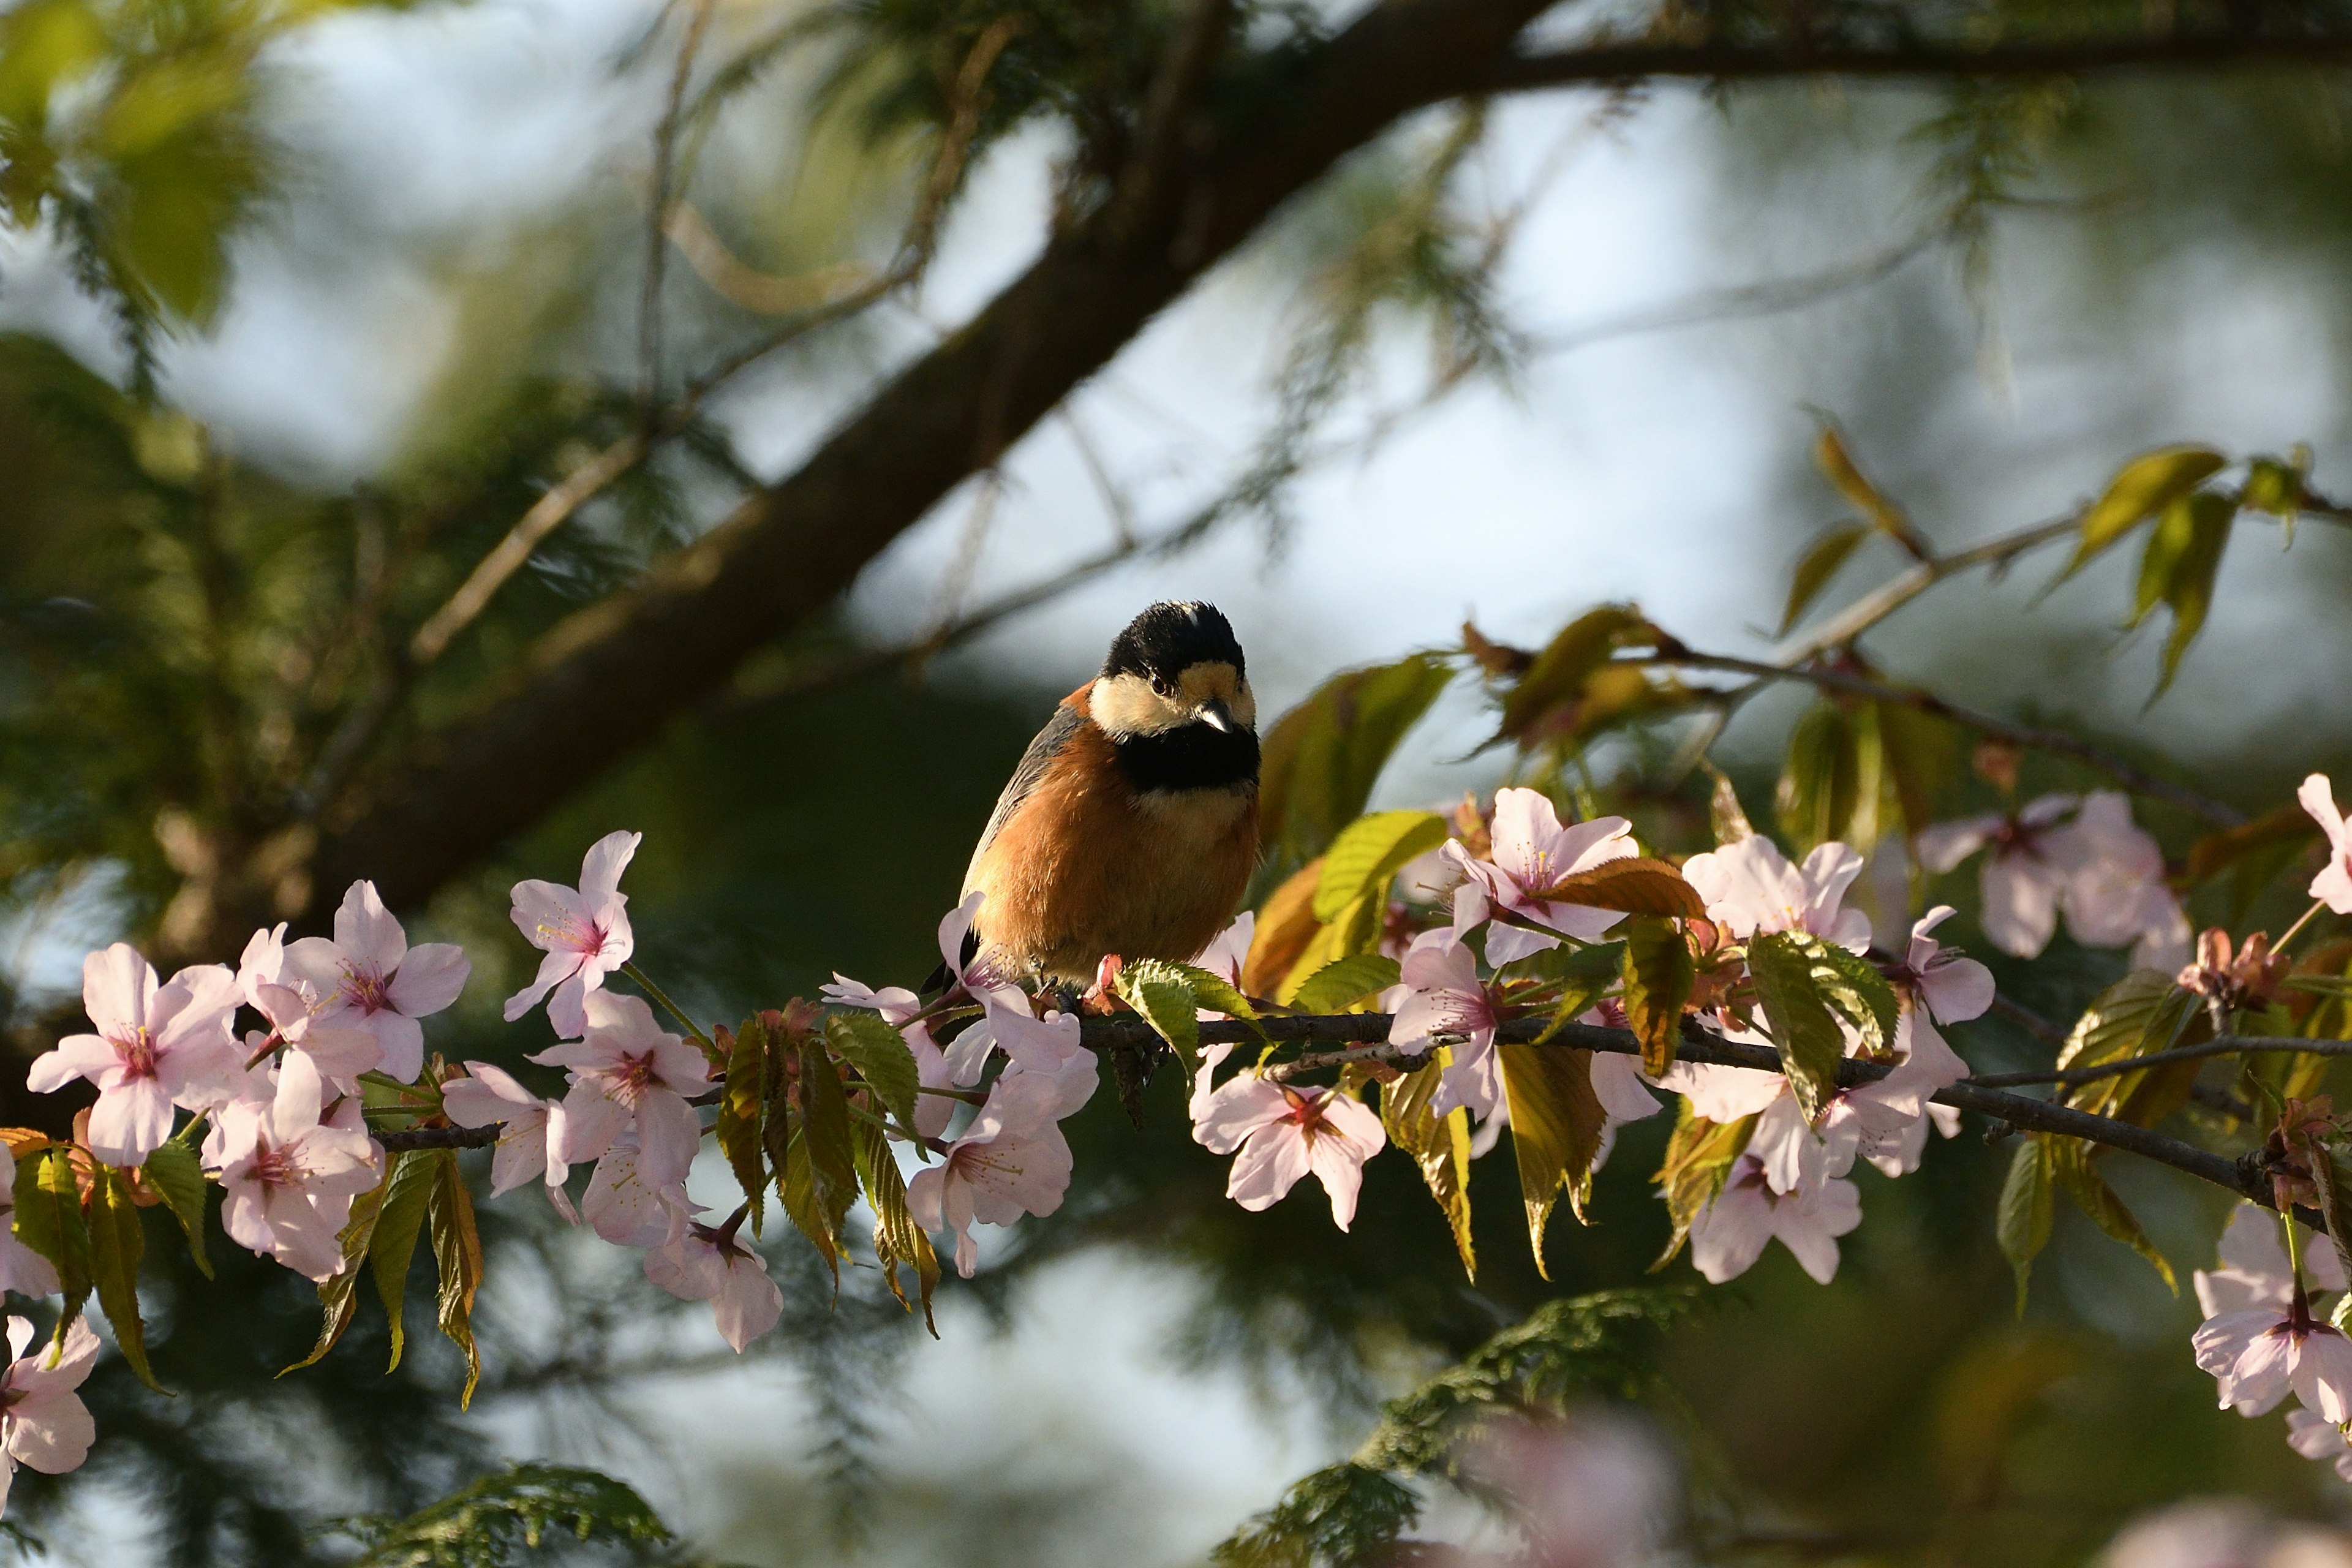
[896, 1237]
[397, 1228]
[1368, 853]
[1699, 1155]
[1439, 1147]
[1803, 1027]
[118, 1240]
[49, 1221]
[1636, 884]
[881, 1056]
[177, 1174]
[1285, 924]
[1321, 759]
[1562, 670]
[2023, 1219]
[1555, 1129]
[1159, 992]
[1658, 974]
[1821, 788]
[337, 1293]
[2178, 567]
[1815, 567]
[1583, 976]
[2146, 486]
[2069, 1160]
[457, 1255]
[742, 1108]
[1837, 466]
[1344, 982]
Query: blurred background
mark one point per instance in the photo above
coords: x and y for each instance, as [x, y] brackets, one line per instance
[305, 307]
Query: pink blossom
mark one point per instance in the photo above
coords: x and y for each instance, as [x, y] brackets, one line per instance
[2023, 879]
[1618, 1085]
[529, 1131]
[1953, 986]
[895, 1003]
[1749, 887]
[1728, 1235]
[1596, 1490]
[156, 1047]
[2316, 1437]
[287, 1179]
[700, 1264]
[628, 1072]
[1012, 1160]
[1447, 999]
[2254, 1271]
[1283, 1131]
[2114, 888]
[627, 1209]
[1531, 850]
[2258, 1354]
[369, 981]
[43, 1422]
[263, 963]
[584, 933]
[22, 1269]
[980, 976]
[1224, 957]
[2333, 886]
[902, 1008]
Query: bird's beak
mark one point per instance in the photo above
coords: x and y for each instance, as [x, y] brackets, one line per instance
[1217, 716]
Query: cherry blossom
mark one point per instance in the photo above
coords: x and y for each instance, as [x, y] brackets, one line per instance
[156, 1047]
[584, 932]
[2254, 1270]
[2333, 886]
[629, 1073]
[22, 1269]
[287, 1179]
[369, 981]
[2258, 1354]
[2316, 1437]
[43, 1422]
[1720, 1093]
[2116, 894]
[902, 1008]
[976, 976]
[263, 963]
[1729, 1235]
[2023, 879]
[1531, 850]
[1446, 998]
[1953, 986]
[624, 1206]
[1225, 956]
[896, 1003]
[1749, 887]
[700, 1264]
[1012, 1160]
[531, 1129]
[1282, 1132]
[1596, 1490]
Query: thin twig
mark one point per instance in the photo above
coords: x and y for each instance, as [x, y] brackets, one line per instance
[2226, 1046]
[657, 220]
[1876, 606]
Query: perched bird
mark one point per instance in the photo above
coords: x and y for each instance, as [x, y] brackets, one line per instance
[1131, 827]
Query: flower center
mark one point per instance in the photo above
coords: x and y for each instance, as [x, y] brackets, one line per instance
[1305, 1112]
[138, 1053]
[633, 1076]
[276, 1166]
[586, 940]
[366, 985]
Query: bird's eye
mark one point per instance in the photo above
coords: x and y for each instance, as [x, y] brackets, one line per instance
[1162, 685]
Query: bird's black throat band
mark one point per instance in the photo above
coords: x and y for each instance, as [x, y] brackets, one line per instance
[1190, 756]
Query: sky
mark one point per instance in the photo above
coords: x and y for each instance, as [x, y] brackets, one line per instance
[1666, 468]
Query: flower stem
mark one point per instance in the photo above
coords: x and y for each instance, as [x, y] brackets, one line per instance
[672, 1008]
[2296, 929]
[969, 1096]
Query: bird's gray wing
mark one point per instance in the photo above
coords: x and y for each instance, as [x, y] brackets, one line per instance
[1040, 756]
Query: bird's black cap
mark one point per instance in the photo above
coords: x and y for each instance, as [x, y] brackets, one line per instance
[1169, 638]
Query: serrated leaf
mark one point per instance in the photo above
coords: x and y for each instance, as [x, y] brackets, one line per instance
[2069, 1162]
[1804, 1030]
[825, 1141]
[1368, 853]
[338, 1292]
[1814, 569]
[2179, 568]
[1658, 974]
[2145, 1011]
[1637, 885]
[2143, 488]
[742, 1111]
[118, 1240]
[2022, 1221]
[1699, 1155]
[49, 1221]
[1584, 978]
[1215, 993]
[881, 1057]
[1321, 759]
[1555, 1129]
[896, 1237]
[796, 1191]
[1857, 993]
[457, 1255]
[1160, 994]
[176, 1172]
[394, 1241]
[1344, 982]
[1566, 666]
[1357, 930]
[1439, 1147]
[1839, 467]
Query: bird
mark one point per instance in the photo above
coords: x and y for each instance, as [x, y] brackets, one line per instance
[1130, 828]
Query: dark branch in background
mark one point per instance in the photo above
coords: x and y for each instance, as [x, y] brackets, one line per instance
[1607, 64]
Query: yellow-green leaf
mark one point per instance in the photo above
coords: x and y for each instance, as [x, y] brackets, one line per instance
[1286, 925]
[1566, 665]
[743, 1136]
[896, 1237]
[2070, 1161]
[337, 1297]
[1321, 759]
[1344, 982]
[394, 1242]
[49, 1221]
[880, 1054]
[1804, 1029]
[1814, 569]
[1699, 1155]
[1555, 1129]
[457, 1255]
[2179, 568]
[2144, 487]
[1161, 995]
[1658, 974]
[1839, 467]
[1368, 853]
[1439, 1146]
[825, 1137]
[118, 1240]
[176, 1172]
[2023, 1222]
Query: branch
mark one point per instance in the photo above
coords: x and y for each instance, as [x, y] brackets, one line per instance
[2223, 1045]
[593, 688]
[441, 1137]
[1613, 64]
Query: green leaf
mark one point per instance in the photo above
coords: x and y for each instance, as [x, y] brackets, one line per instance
[1814, 569]
[1439, 1147]
[831, 1171]
[1356, 930]
[118, 1239]
[1699, 1155]
[2145, 1011]
[742, 1110]
[896, 1237]
[2069, 1160]
[1162, 995]
[1838, 467]
[1658, 974]
[1555, 1129]
[1858, 993]
[1214, 991]
[796, 1191]
[1821, 787]
[2022, 1226]
[1635, 885]
[394, 1241]
[1726, 818]
[1321, 759]
[337, 1292]
[176, 1172]
[457, 1255]
[487, 1524]
[1804, 1029]
[1566, 665]
[881, 1057]
[1584, 976]
[1368, 853]
[49, 1221]
[2178, 567]
[1344, 982]
[2146, 486]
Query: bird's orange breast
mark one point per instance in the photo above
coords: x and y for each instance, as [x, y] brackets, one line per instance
[1088, 867]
